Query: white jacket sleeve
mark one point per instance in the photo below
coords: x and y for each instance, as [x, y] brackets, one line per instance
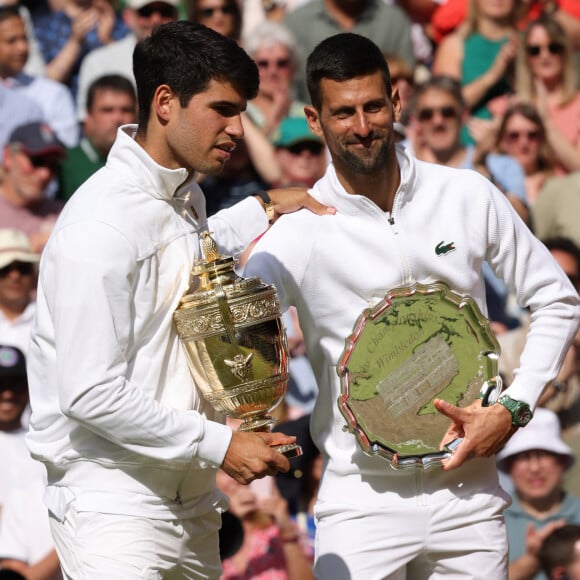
[89, 290]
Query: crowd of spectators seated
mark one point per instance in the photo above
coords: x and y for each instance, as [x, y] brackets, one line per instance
[492, 87]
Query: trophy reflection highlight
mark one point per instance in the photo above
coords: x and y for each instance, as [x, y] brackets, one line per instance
[232, 332]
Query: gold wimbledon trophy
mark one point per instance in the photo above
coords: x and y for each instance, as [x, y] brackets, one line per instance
[235, 342]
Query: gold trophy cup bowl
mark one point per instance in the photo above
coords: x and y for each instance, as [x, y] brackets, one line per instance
[235, 342]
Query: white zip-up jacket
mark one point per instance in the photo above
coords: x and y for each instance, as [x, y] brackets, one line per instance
[116, 417]
[333, 267]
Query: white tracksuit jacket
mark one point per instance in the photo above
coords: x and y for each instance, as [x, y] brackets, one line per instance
[116, 417]
[333, 267]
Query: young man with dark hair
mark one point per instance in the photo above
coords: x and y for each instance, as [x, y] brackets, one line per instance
[392, 214]
[559, 554]
[131, 447]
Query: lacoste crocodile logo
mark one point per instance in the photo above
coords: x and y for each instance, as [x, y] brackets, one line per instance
[442, 248]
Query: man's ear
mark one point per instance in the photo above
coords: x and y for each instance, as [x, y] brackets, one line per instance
[313, 121]
[396, 100]
[163, 102]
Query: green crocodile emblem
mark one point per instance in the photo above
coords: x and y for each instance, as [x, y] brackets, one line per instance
[442, 248]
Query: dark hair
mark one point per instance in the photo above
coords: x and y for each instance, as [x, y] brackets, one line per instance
[343, 57]
[9, 11]
[564, 245]
[443, 83]
[187, 57]
[558, 548]
[193, 14]
[116, 83]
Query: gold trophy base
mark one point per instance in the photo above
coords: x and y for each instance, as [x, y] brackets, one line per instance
[262, 425]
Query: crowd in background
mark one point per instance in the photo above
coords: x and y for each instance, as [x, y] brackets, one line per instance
[487, 85]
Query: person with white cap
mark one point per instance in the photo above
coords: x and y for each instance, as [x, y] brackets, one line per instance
[536, 458]
[18, 268]
[140, 16]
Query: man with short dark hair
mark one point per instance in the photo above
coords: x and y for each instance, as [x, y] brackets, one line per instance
[394, 215]
[111, 103]
[559, 554]
[131, 447]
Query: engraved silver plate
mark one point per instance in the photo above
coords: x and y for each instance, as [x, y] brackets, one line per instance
[419, 343]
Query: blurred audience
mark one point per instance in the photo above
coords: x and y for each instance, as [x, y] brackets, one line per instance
[52, 97]
[546, 78]
[559, 554]
[556, 211]
[522, 135]
[536, 458]
[27, 549]
[31, 160]
[140, 16]
[111, 102]
[272, 546]
[223, 16]
[68, 33]
[387, 26]
[273, 48]
[18, 271]
[481, 55]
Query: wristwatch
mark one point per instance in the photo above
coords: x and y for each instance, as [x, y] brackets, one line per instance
[268, 205]
[521, 412]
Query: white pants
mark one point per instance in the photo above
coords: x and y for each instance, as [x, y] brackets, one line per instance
[94, 546]
[461, 539]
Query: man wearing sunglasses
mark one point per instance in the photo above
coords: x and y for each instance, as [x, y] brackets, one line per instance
[140, 16]
[30, 163]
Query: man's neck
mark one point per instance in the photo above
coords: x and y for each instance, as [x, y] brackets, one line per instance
[13, 310]
[9, 193]
[454, 157]
[346, 18]
[541, 508]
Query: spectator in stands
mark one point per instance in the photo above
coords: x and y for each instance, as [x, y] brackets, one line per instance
[559, 554]
[111, 102]
[522, 135]
[31, 161]
[68, 34]
[273, 48]
[140, 16]
[21, 475]
[536, 459]
[481, 55]
[52, 97]
[546, 77]
[387, 26]
[18, 269]
[15, 110]
[223, 16]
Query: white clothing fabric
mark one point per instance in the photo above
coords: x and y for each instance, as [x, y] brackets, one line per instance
[113, 58]
[337, 266]
[25, 533]
[115, 414]
[93, 546]
[18, 468]
[17, 332]
[56, 102]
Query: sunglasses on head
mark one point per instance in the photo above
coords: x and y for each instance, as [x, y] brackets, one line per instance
[23, 268]
[164, 10]
[209, 12]
[310, 146]
[428, 113]
[553, 48]
[515, 136]
[276, 63]
[38, 161]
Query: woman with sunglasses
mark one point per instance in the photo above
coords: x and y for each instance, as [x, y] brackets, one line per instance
[273, 48]
[223, 16]
[545, 76]
[523, 136]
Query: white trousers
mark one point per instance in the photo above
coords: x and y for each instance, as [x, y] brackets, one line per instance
[461, 539]
[94, 546]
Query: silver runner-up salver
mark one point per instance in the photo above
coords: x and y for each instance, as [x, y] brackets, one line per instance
[235, 342]
[421, 342]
